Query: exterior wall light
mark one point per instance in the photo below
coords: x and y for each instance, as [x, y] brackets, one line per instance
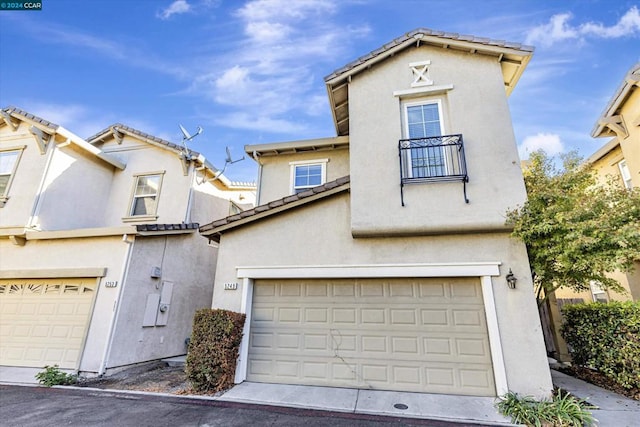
[511, 280]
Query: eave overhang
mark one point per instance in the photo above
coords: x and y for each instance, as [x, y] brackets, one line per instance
[610, 123]
[293, 147]
[61, 136]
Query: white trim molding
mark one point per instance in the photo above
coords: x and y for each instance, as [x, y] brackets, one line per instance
[495, 344]
[471, 269]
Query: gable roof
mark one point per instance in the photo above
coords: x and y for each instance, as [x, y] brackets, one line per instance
[215, 229]
[630, 83]
[117, 130]
[513, 58]
[53, 129]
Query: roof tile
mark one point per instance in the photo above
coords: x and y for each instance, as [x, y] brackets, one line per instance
[276, 204]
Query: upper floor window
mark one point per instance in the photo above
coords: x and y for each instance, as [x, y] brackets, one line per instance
[423, 122]
[146, 191]
[426, 154]
[307, 174]
[8, 163]
[625, 173]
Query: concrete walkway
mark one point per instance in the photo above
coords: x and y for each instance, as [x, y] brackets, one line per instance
[467, 409]
[613, 410]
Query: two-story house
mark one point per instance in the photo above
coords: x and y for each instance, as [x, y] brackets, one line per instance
[379, 258]
[618, 158]
[101, 265]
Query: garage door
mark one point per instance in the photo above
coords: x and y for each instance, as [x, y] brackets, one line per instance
[426, 335]
[44, 321]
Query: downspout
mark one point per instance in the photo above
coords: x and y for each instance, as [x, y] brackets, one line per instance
[258, 184]
[194, 182]
[35, 211]
[116, 309]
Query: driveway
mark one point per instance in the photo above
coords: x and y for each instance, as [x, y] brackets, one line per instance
[40, 406]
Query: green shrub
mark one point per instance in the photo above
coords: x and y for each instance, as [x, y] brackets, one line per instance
[52, 375]
[605, 337]
[213, 349]
[562, 410]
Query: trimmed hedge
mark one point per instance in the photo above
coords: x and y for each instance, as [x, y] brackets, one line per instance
[605, 337]
[213, 349]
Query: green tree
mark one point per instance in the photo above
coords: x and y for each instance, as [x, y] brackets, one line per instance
[576, 229]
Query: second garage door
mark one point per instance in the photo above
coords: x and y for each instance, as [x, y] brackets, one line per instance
[44, 321]
[426, 335]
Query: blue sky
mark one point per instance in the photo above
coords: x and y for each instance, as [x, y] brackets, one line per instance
[252, 72]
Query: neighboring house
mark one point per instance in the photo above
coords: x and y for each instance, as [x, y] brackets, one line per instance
[379, 258]
[101, 265]
[618, 158]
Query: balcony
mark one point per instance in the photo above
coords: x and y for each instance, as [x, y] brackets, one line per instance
[431, 159]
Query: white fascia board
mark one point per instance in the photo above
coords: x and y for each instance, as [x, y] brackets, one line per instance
[474, 269]
[81, 143]
[81, 233]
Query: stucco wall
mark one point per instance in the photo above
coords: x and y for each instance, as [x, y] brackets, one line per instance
[73, 194]
[143, 158]
[17, 211]
[631, 144]
[476, 107]
[185, 260]
[104, 252]
[275, 179]
[320, 235]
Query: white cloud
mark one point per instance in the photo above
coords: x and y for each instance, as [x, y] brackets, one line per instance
[627, 25]
[175, 8]
[260, 10]
[243, 120]
[550, 143]
[559, 29]
[271, 73]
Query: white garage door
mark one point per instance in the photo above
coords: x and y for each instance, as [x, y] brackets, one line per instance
[426, 335]
[44, 321]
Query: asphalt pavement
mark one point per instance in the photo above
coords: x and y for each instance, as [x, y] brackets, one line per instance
[31, 406]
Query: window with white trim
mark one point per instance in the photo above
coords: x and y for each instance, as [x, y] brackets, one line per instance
[597, 293]
[307, 174]
[8, 163]
[625, 173]
[424, 120]
[146, 191]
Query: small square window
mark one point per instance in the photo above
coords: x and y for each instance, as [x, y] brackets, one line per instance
[145, 195]
[307, 175]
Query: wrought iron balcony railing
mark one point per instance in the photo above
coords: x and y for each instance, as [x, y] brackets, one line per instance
[436, 158]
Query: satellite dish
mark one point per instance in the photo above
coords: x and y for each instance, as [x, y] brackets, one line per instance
[228, 160]
[187, 136]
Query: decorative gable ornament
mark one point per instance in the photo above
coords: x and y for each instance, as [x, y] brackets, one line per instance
[420, 72]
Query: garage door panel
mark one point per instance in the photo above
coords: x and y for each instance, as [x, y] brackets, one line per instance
[44, 321]
[396, 334]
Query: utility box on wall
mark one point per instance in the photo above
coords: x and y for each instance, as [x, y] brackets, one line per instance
[165, 303]
[156, 311]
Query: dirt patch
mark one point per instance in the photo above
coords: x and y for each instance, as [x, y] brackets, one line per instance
[596, 378]
[156, 377]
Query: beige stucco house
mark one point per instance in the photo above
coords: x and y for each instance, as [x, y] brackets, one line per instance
[379, 258]
[101, 265]
[619, 159]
